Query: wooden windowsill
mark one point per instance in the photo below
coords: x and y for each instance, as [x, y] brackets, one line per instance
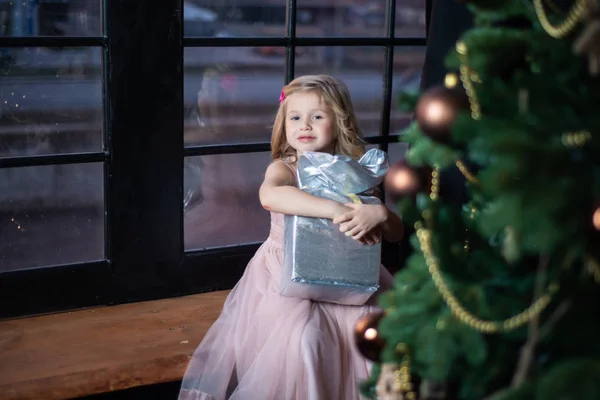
[97, 350]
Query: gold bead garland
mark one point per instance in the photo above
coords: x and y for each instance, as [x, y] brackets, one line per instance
[404, 377]
[395, 381]
[576, 139]
[435, 184]
[459, 311]
[561, 30]
[575, 15]
[583, 11]
[468, 77]
[509, 324]
[466, 173]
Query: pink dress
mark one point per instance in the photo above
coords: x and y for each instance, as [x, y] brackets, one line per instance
[265, 346]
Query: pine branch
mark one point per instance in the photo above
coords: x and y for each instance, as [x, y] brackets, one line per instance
[527, 351]
[432, 390]
[560, 311]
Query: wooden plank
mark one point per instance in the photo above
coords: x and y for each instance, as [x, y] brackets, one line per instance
[72, 354]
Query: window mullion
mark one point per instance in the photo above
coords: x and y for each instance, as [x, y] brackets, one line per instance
[146, 137]
[290, 28]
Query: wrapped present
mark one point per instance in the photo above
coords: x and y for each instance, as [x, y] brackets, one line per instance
[320, 262]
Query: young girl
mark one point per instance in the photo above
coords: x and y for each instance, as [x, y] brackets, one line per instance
[265, 346]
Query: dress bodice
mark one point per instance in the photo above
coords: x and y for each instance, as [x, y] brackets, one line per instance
[276, 233]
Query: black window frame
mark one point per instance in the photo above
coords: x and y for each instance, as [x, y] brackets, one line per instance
[143, 157]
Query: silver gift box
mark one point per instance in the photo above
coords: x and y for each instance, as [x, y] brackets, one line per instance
[320, 262]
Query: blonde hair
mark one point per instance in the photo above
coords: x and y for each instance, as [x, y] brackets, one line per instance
[334, 93]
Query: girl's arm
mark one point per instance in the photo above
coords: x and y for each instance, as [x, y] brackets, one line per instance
[278, 193]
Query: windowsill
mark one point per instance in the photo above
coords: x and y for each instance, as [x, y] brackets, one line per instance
[104, 349]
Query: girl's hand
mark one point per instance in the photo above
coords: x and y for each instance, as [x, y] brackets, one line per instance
[361, 220]
[371, 238]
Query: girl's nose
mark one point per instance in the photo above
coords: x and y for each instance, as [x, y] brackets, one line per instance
[305, 125]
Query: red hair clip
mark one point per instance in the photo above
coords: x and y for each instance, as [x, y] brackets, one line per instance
[281, 96]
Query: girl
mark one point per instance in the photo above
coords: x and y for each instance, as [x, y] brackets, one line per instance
[265, 346]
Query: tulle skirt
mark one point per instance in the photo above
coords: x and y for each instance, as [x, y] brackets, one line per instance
[265, 346]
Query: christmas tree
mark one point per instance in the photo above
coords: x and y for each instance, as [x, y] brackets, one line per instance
[499, 300]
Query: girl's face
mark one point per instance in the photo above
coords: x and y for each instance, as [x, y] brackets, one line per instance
[309, 123]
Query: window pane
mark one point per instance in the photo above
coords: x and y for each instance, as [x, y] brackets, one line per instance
[221, 200]
[361, 68]
[227, 18]
[408, 64]
[397, 151]
[51, 215]
[231, 94]
[327, 18]
[51, 101]
[51, 18]
[410, 18]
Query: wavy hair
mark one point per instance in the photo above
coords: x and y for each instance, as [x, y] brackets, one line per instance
[334, 93]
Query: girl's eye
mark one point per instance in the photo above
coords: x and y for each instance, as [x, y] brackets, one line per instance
[295, 118]
[317, 117]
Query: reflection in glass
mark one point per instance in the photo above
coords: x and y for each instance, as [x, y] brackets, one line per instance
[397, 151]
[410, 19]
[361, 68]
[226, 209]
[408, 64]
[338, 19]
[51, 18]
[233, 18]
[51, 215]
[231, 94]
[237, 18]
[51, 101]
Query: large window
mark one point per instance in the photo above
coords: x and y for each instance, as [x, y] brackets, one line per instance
[134, 136]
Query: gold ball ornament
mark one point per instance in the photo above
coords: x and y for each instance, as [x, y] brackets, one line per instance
[596, 219]
[437, 110]
[402, 180]
[367, 337]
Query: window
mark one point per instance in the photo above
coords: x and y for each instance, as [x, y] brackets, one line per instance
[133, 137]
